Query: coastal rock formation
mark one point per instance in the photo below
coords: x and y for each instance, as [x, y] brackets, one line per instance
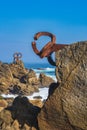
[17, 69]
[16, 79]
[45, 81]
[31, 78]
[66, 106]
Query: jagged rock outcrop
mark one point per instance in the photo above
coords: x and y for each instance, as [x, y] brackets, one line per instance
[31, 78]
[45, 81]
[16, 79]
[17, 69]
[66, 106]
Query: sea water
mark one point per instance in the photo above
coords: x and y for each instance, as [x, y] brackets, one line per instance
[45, 68]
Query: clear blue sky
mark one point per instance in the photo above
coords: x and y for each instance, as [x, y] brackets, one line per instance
[21, 19]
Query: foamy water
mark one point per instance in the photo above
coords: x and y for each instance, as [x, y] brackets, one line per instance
[43, 92]
[48, 71]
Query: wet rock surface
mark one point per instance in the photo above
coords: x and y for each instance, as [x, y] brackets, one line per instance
[66, 106]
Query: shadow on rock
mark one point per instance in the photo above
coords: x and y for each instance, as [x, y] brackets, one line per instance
[52, 88]
[23, 111]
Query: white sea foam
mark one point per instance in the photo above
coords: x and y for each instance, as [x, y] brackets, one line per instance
[8, 95]
[48, 71]
[43, 92]
[44, 69]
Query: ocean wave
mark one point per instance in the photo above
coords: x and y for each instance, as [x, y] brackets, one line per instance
[48, 71]
[44, 69]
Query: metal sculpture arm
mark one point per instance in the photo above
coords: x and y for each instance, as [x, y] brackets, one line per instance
[50, 60]
[46, 49]
[39, 34]
[49, 48]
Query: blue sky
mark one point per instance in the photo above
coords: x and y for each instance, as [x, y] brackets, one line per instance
[21, 19]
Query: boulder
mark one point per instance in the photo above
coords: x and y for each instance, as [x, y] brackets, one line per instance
[37, 102]
[17, 70]
[3, 104]
[45, 81]
[21, 115]
[31, 78]
[66, 106]
[5, 119]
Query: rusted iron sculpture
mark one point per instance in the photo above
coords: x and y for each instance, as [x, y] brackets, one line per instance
[17, 56]
[49, 48]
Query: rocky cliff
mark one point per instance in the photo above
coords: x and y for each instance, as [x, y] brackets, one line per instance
[66, 107]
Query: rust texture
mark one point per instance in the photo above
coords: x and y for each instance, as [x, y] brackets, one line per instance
[17, 56]
[49, 48]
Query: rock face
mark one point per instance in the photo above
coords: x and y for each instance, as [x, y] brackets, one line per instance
[3, 104]
[66, 107]
[6, 77]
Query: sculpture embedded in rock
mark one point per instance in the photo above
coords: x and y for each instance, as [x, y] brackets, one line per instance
[66, 107]
[49, 48]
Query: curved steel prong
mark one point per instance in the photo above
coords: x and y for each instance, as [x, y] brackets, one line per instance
[50, 60]
[58, 47]
[45, 51]
[49, 48]
[35, 48]
[39, 34]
